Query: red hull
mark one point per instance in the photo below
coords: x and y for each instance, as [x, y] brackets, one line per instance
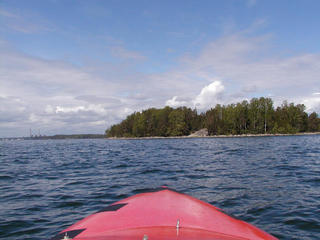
[161, 214]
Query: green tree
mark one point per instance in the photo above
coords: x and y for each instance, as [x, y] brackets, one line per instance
[313, 122]
[177, 124]
[139, 126]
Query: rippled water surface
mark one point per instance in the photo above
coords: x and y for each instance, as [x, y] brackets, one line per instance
[271, 182]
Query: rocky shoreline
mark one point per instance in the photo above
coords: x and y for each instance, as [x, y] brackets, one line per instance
[195, 135]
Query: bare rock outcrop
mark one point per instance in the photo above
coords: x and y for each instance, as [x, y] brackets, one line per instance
[201, 133]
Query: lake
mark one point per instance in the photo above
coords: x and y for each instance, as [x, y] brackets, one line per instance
[271, 182]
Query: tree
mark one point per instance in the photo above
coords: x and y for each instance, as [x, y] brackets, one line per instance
[177, 124]
[253, 115]
[139, 125]
[313, 122]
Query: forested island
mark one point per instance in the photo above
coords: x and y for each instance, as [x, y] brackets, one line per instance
[257, 116]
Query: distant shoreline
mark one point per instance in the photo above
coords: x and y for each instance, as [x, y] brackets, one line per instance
[102, 136]
[217, 136]
[58, 137]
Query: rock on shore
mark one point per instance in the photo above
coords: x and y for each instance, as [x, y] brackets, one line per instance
[201, 133]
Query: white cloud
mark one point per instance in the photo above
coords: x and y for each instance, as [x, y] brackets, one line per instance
[312, 103]
[69, 109]
[98, 109]
[175, 103]
[209, 96]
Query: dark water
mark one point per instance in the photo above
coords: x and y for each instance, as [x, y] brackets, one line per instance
[271, 182]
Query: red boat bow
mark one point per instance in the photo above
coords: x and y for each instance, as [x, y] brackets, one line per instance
[161, 214]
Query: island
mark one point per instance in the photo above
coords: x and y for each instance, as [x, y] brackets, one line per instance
[255, 117]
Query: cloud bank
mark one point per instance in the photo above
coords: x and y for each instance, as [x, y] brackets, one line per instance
[58, 97]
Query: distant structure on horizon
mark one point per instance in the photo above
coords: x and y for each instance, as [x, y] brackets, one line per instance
[34, 136]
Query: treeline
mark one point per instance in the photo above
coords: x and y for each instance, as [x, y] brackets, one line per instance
[158, 122]
[258, 116]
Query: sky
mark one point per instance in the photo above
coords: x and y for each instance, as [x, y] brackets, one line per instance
[78, 66]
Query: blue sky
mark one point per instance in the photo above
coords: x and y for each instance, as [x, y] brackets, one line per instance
[80, 66]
